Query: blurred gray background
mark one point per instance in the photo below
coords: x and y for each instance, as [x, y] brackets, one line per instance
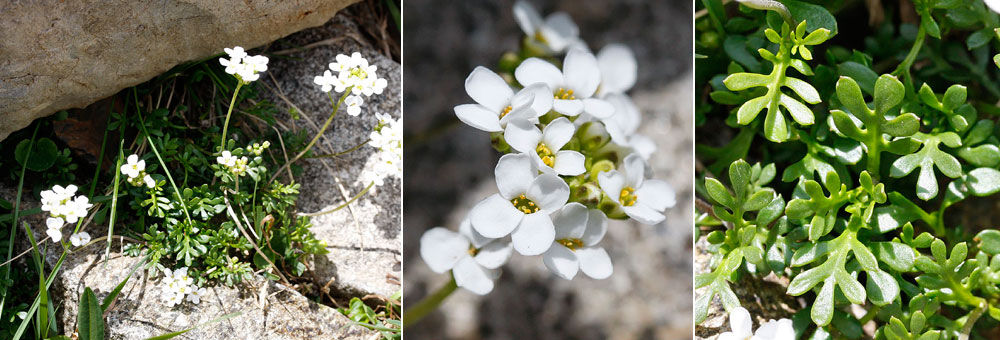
[449, 167]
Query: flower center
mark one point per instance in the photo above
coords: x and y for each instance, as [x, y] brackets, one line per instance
[473, 251]
[525, 204]
[546, 154]
[563, 93]
[571, 243]
[540, 37]
[505, 111]
[627, 197]
[358, 72]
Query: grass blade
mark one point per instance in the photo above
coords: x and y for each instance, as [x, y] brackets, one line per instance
[118, 289]
[114, 202]
[43, 292]
[13, 226]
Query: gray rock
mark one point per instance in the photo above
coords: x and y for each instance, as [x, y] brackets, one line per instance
[56, 55]
[269, 310]
[364, 240]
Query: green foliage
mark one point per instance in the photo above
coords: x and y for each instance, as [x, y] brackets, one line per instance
[865, 233]
[386, 321]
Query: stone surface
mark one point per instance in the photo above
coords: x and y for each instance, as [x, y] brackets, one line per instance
[56, 55]
[364, 240]
[449, 168]
[269, 310]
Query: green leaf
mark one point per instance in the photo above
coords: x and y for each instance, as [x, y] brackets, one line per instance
[927, 158]
[989, 241]
[90, 319]
[983, 181]
[43, 154]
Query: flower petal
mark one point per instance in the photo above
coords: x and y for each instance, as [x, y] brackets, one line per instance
[598, 108]
[495, 217]
[55, 234]
[569, 107]
[488, 89]
[597, 226]
[740, 323]
[561, 261]
[611, 182]
[477, 239]
[644, 214]
[560, 31]
[494, 254]
[471, 276]
[570, 163]
[581, 72]
[557, 133]
[635, 170]
[534, 70]
[527, 17]
[595, 262]
[542, 98]
[479, 117]
[655, 194]
[522, 135]
[642, 145]
[618, 68]
[442, 248]
[514, 174]
[570, 221]
[533, 235]
[549, 192]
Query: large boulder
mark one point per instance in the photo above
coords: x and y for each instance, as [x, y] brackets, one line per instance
[56, 55]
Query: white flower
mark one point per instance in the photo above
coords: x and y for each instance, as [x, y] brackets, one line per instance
[54, 199]
[472, 258]
[133, 166]
[497, 104]
[578, 230]
[641, 199]
[993, 4]
[226, 159]
[572, 87]
[79, 239]
[384, 118]
[327, 81]
[354, 103]
[76, 209]
[545, 146]
[235, 52]
[54, 223]
[231, 64]
[557, 31]
[251, 68]
[195, 295]
[148, 180]
[618, 69]
[741, 326]
[354, 71]
[522, 207]
[171, 298]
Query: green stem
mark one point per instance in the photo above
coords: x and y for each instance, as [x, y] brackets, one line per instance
[904, 68]
[428, 304]
[336, 108]
[13, 225]
[342, 206]
[225, 126]
[177, 192]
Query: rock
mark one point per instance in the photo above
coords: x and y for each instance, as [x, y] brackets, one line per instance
[364, 240]
[56, 55]
[269, 310]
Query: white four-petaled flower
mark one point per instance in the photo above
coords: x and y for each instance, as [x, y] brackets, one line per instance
[79, 239]
[497, 104]
[522, 206]
[578, 230]
[133, 166]
[354, 103]
[545, 146]
[572, 87]
[557, 31]
[472, 258]
[641, 199]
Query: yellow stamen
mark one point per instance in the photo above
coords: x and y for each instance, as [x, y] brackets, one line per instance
[473, 251]
[564, 94]
[571, 243]
[546, 154]
[627, 197]
[505, 111]
[524, 205]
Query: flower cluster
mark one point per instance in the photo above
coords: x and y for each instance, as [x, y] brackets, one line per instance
[572, 160]
[245, 67]
[135, 171]
[742, 328]
[387, 137]
[257, 148]
[63, 206]
[178, 286]
[236, 165]
[354, 74]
